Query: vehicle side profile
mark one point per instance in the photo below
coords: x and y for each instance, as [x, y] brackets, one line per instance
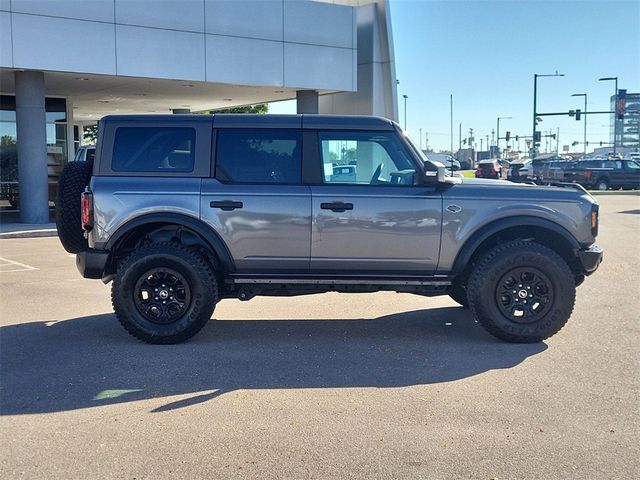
[180, 211]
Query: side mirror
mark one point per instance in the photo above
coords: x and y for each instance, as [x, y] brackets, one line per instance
[436, 172]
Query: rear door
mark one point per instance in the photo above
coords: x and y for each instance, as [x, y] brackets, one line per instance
[381, 221]
[255, 199]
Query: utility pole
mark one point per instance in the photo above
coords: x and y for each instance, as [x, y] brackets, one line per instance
[460, 136]
[584, 140]
[481, 140]
[493, 136]
[451, 128]
[405, 111]
[426, 141]
[535, 97]
[420, 139]
[615, 104]
[487, 142]
[471, 138]
[558, 140]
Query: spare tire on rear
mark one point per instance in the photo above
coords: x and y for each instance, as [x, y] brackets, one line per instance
[73, 180]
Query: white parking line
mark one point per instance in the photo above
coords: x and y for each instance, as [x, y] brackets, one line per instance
[7, 266]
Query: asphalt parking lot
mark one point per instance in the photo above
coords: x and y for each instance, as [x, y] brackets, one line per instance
[326, 386]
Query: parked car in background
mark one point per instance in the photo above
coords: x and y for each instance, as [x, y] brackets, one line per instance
[85, 153]
[451, 165]
[606, 174]
[519, 170]
[489, 169]
[447, 160]
[556, 171]
[633, 156]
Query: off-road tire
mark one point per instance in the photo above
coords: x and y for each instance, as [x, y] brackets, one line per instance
[485, 279]
[194, 269]
[458, 294]
[74, 178]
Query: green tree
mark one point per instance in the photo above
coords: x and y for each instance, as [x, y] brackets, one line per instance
[258, 109]
[90, 134]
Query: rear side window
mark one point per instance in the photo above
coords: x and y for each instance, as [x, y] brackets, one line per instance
[154, 149]
[259, 156]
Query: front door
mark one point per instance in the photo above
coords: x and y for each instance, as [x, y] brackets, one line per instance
[256, 201]
[369, 215]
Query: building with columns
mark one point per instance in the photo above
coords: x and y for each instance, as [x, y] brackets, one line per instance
[66, 63]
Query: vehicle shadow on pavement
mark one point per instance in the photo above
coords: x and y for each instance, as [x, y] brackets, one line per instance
[91, 361]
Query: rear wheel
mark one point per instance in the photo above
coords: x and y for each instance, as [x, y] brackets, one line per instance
[164, 293]
[602, 185]
[522, 292]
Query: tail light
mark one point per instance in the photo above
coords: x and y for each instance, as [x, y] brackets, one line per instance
[86, 210]
[587, 174]
[595, 211]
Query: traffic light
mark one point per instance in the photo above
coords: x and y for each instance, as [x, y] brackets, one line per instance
[578, 112]
[620, 103]
[516, 138]
[573, 144]
[507, 136]
[537, 137]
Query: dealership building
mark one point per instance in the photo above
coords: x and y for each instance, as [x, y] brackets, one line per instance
[66, 63]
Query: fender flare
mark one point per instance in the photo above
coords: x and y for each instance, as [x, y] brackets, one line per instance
[483, 233]
[208, 234]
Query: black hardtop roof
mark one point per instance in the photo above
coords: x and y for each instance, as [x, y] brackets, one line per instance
[246, 120]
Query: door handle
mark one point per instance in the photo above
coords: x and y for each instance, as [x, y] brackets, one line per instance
[337, 206]
[226, 205]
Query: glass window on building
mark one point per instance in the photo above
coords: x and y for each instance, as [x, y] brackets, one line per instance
[56, 138]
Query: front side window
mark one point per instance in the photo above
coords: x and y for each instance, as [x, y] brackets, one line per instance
[365, 158]
[154, 149]
[259, 156]
[633, 165]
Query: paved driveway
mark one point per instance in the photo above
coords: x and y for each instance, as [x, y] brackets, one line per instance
[327, 386]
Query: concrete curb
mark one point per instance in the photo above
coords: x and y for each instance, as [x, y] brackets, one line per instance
[44, 232]
[614, 192]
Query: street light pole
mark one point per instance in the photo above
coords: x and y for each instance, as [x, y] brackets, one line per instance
[535, 98]
[405, 110]
[498, 133]
[585, 120]
[615, 102]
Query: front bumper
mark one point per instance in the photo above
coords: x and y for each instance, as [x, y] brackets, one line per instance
[591, 258]
[91, 263]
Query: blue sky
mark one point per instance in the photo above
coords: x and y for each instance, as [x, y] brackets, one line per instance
[485, 53]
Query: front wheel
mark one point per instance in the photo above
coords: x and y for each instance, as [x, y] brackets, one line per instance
[521, 292]
[164, 293]
[602, 185]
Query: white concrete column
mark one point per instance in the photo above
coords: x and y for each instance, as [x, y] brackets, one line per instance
[32, 147]
[71, 151]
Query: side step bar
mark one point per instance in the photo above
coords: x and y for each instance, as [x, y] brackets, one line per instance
[436, 281]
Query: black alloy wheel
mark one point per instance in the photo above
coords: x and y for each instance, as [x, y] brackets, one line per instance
[162, 295]
[523, 295]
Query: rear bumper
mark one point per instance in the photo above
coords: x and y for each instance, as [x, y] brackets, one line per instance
[91, 263]
[590, 258]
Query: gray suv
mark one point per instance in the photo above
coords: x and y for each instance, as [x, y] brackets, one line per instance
[181, 211]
